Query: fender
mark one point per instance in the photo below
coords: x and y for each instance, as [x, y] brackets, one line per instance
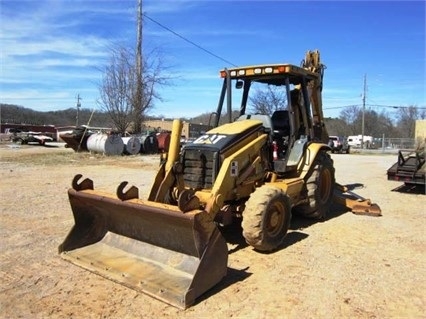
[311, 153]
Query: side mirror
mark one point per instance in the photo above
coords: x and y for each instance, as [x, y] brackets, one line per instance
[239, 84]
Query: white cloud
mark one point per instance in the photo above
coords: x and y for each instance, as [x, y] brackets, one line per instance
[51, 50]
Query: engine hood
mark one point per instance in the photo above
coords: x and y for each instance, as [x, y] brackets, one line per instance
[224, 136]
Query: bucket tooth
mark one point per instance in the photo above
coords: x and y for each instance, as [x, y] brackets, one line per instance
[85, 184]
[131, 193]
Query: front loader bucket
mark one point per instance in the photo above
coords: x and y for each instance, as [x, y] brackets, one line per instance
[148, 246]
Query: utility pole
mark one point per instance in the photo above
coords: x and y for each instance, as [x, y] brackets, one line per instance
[363, 111]
[139, 40]
[139, 92]
[78, 106]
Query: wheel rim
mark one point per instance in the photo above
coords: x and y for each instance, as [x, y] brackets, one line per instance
[275, 219]
[325, 186]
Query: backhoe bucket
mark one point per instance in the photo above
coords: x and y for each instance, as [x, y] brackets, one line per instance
[358, 204]
[148, 246]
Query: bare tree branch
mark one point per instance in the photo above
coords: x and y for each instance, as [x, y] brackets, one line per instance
[269, 100]
[126, 96]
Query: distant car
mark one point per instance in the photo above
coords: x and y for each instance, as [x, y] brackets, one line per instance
[24, 137]
[338, 144]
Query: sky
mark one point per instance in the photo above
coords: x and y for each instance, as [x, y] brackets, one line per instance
[54, 50]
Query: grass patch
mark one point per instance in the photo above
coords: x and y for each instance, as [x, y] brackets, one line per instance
[65, 157]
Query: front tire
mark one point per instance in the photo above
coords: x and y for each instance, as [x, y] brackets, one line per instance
[266, 218]
[319, 187]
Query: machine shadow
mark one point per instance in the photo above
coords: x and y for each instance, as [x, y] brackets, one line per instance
[48, 145]
[410, 189]
[300, 222]
[232, 276]
[233, 233]
[51, 146]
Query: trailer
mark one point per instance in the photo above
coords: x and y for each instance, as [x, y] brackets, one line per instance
[355, 141]
[410, 168]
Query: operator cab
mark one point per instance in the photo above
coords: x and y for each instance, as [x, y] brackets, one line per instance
[277, 126]
[286, 117]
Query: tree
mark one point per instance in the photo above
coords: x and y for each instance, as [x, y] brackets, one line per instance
[376, 124]
[269, 100]
[372, 123]
[123, 94]
[406, 120]
[128, 85]
[336, 126]
[116, 89]
[350, 114]
[20, 115]
[385, 125]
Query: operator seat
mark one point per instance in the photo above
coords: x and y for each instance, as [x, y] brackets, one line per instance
[281, 123]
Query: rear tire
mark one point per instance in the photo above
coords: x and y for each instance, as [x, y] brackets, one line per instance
[266, 218]
[319, 188]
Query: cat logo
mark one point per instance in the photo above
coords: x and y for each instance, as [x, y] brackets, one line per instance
[209, 139]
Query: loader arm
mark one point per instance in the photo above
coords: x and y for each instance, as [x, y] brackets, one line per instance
[312, 63]
[166, 177]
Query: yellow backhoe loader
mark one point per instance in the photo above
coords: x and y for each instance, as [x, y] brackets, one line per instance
[260, 168]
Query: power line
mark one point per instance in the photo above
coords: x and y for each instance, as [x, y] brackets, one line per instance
[396, 106]
[187, 40]
[228, 62]
[340, 107]
[375, 105]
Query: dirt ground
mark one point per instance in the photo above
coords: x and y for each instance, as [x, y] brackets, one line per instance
[347, 266]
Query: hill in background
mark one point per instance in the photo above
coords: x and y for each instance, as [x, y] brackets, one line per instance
[14, 114]
[20, 115]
